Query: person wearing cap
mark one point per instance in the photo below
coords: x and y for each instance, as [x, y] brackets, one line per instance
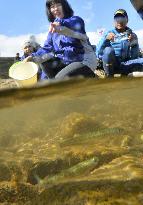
[28, 48]
[119, 49]
[67, 51]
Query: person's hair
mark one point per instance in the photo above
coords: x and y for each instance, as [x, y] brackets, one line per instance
[68, 11]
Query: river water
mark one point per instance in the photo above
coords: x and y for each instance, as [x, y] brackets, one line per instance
[73, 142]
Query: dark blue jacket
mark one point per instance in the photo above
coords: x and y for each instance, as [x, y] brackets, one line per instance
[70, 43]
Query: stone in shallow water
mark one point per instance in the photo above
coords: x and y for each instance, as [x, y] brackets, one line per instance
[17, 194]
[8, 83]
[126, 167]
[5, 174]
[75, 123]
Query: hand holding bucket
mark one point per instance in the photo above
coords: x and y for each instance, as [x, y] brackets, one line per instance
[24, 73]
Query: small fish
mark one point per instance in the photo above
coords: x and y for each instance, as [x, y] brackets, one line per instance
[77, 170]
[81, 138]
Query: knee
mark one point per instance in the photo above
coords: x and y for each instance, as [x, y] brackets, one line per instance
[109, 51]
[108, 55]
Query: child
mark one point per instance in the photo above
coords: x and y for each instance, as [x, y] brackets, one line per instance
[28, 48]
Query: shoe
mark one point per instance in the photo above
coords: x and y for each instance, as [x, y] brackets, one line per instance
[117, 75]
[100, 73]
[136, 74]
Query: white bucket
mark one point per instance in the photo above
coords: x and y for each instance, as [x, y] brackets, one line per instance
[24, 73]
[136, 74]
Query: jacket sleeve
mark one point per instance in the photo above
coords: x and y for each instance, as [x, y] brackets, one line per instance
[73, 27]
[103, 43]
[134, 47]
[22, 58]
[44, 53]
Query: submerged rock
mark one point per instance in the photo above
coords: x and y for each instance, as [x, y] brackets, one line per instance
[5, 173]
[75, 123]
[123, 168]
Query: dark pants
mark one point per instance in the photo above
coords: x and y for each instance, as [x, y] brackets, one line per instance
[55, 68]
[112, 64]
[131, 66]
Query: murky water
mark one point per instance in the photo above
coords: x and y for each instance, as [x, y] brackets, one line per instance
[77, 142]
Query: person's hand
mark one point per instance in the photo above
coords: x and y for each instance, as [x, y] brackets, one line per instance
[110, 37]
[131, 37]
[29, 58]
[54, 27]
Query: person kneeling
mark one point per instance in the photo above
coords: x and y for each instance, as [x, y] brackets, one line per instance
[67, 51]
[119, 48]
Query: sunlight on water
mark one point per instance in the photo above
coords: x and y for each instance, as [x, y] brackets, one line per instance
[77, 142]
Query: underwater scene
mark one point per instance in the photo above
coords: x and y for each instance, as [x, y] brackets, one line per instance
[77, 142]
